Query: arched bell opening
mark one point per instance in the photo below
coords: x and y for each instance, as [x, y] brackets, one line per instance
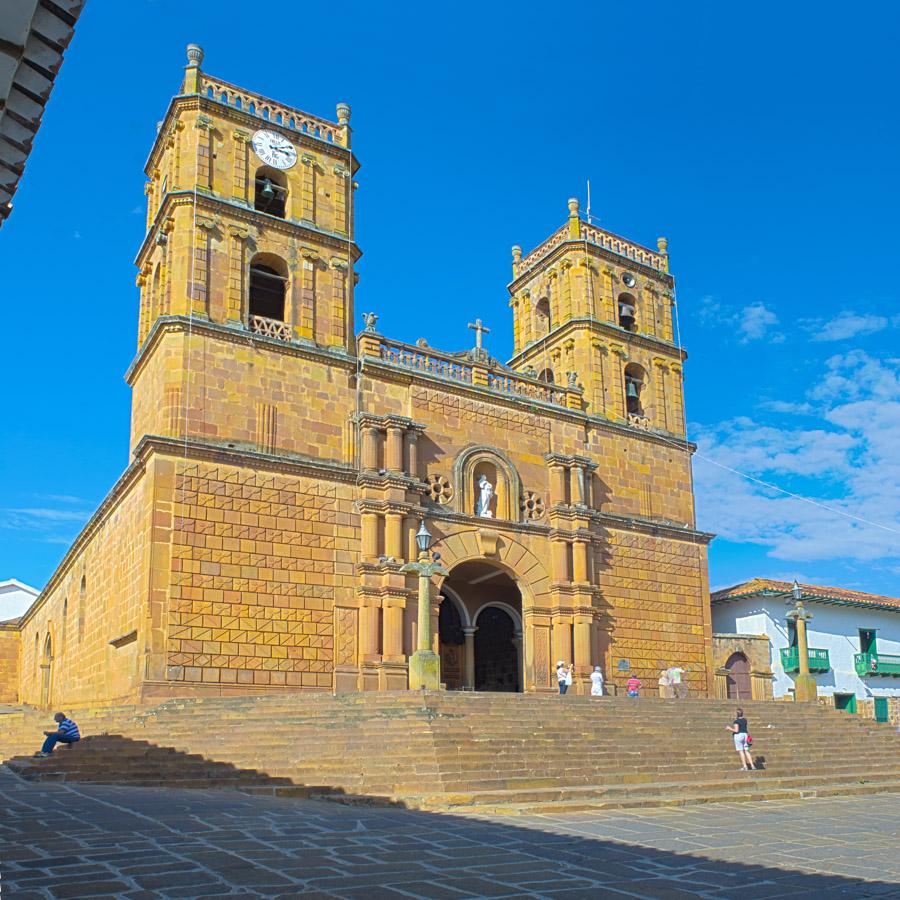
[627, 312]
[270, 191]
[635, 381]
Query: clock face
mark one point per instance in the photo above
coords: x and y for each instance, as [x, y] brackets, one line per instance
[274, 149]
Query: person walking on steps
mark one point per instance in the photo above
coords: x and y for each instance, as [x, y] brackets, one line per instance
[633, 686]
[596, 682]
[741, 741]
[563, 676]
[66, 733]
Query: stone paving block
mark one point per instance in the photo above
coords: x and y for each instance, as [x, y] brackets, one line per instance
[89, 889]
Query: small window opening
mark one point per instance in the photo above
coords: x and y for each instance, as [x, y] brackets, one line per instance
[627, 307]
[267, 289]
[270, 194]
[792, 633]
[542, 316]
[546, 375]
[867, 641]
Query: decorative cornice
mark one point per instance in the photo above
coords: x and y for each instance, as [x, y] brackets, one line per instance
[208, 451]
[647, 526]
[336, 356]
[610, 330]
[442, 514]
[216, 205]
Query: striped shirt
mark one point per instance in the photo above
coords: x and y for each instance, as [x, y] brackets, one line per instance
[68, 730]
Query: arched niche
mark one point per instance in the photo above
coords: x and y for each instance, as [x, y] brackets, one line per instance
[499, 471]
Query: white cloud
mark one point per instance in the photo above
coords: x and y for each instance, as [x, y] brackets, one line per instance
[845, 325]
[752, 323]
[849, 462]
[755, 322]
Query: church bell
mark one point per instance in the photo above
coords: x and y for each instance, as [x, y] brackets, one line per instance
[268, 192]
[631, 390]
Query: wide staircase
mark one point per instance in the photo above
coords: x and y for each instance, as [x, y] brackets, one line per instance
[459, 752]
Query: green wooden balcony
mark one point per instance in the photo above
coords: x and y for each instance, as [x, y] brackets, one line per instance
[876, 664]
[818, 660]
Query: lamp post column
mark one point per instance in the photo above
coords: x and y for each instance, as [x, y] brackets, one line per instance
[425, 664]
[805, 688]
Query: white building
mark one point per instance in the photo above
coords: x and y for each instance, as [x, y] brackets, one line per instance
[853, 638]
[15, 598]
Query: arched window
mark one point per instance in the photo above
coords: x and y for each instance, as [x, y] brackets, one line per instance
[268, 282]
[82, 590]
[635, 379]
[546, 375]
[627, 306]
[155, 294]
[542, 322]
[270, 192]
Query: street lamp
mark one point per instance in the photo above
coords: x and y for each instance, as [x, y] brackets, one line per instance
[805, 688]
[425, 664]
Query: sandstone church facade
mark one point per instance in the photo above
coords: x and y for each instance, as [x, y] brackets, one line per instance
[281, 464]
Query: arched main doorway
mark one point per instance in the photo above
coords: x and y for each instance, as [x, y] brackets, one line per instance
[737, 679]
[480, 625]
[497, 650]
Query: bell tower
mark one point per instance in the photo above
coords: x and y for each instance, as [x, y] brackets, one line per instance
[595, 309]
[249, 216]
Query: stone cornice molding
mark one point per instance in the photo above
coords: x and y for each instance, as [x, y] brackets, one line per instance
[657, 529]
[609, 329]
[442, 514]
[336, 356]
[205, 451]
[216, 206]
[371, 505]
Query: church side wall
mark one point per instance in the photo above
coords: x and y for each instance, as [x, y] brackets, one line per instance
[10, 644]
[659, 597]
[258, 560]
[641, 478]
[96, 597]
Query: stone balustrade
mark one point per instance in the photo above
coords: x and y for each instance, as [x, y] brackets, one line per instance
[270, 111]
[599, 238]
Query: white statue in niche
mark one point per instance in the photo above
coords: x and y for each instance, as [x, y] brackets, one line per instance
[485, 494]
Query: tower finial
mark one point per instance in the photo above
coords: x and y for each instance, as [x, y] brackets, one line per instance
[194, 55]
[343, 113]
[574, 221]
[662, 245]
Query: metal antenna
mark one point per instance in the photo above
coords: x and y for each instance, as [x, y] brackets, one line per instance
[589, 202]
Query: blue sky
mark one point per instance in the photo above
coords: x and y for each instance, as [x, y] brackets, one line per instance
[763, 144]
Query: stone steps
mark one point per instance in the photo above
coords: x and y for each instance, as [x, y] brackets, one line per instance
[471, 752]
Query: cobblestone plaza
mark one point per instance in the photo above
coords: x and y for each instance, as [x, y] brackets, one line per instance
[61, 841]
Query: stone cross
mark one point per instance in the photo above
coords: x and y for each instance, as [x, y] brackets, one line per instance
[479, 330]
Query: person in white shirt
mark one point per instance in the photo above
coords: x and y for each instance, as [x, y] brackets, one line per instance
[563, 676]
[676, 677]
[596, 682]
